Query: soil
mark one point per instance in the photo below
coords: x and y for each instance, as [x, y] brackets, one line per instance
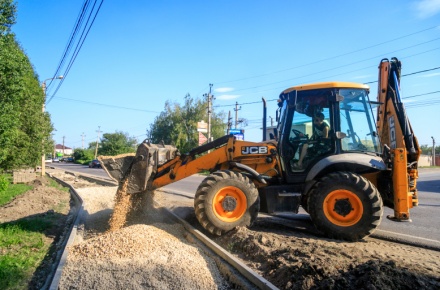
[45, 202]
[294, 260]
[151, 251]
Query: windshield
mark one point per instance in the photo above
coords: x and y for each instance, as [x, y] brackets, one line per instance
[357, 122]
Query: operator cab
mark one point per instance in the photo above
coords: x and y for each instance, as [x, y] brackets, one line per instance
[321, 120]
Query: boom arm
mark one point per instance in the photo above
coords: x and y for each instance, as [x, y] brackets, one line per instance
[155, 166]
[395, 132]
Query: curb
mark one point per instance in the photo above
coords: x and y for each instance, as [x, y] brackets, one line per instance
[244, 270]
[54, 278]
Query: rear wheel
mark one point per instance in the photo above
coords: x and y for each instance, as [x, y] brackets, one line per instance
[345, 205]
[225, 200]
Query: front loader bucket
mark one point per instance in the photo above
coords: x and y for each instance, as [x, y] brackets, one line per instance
[139, 169]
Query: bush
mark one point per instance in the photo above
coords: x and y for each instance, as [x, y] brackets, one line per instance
[83, 156]
[4, 183]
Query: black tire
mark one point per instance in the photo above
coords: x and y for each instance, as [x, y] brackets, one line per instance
[226, 200]
[345, 206]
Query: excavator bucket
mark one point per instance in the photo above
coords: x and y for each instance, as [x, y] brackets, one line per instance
[139, 169]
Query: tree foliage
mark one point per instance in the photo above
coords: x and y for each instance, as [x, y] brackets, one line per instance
[83, 155]
[7, 15]
[24, 128]
[116, 143]
[177, 124]
[427, 150]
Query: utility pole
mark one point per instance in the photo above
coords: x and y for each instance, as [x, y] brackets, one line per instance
[433, 151]
[97, 141]
[63, 144]
[82, 139]
[210, 98]
[236, 114]
[229, 122]
[271, 121]
[43, 157]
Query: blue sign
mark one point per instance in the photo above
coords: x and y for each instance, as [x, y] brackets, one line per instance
[236, 131]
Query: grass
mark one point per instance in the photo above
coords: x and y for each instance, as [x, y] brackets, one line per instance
[22, 248]
[23, 243]
[58, 186]
[12, 191]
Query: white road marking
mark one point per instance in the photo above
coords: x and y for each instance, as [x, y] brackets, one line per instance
[409, 236]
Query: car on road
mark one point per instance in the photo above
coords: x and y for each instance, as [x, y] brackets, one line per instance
[95, 164]
[56, 160]
[69, 159]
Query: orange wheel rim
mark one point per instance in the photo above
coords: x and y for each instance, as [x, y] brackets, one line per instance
[229, 204]
[343, 208]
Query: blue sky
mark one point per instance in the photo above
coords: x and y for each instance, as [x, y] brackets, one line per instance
[139, 54]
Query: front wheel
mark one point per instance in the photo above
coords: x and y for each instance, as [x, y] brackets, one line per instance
[345, 205]
[226, 200]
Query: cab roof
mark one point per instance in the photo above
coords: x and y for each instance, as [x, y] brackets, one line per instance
[326, 85]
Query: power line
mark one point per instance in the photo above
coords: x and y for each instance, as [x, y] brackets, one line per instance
[271, 100]
[333, 57]
[71, 38]
[410, 74]
[84, 34]
[107, 105]
[338, 67]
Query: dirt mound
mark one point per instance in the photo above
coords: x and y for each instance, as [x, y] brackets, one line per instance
[39, 200]
[39, 181]
[296, 261]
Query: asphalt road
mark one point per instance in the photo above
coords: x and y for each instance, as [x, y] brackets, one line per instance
[424, 228]
[425, 223]
[83, 169]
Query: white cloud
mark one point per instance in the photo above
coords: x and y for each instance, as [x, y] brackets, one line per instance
[427, 8]
[223, 90]
[227, 97]
[430, 75]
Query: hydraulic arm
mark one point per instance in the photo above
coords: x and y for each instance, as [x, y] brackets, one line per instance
[155, 166]
[401, 150]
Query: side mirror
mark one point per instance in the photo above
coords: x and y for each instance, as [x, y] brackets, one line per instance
[340, 135]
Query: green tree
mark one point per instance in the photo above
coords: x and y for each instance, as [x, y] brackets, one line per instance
[427, 150]
[7, 15]
[24, 128]
[116, 143]
[83, 155]
[177, 124]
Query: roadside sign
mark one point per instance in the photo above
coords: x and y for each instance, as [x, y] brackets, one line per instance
[202, 127]
[202, 138]
[238, 133]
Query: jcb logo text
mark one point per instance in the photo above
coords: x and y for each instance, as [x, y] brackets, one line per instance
[393, 139]
[253, 150]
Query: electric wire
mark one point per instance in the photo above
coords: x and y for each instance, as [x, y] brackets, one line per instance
[75, 29]
[108, 105]
[85, 31]
[333, 57]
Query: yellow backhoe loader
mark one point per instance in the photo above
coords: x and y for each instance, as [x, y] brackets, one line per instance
[341, 177]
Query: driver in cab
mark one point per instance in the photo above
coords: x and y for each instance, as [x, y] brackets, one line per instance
[320, 130]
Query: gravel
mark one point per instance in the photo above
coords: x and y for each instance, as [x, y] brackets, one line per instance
[151, 251]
